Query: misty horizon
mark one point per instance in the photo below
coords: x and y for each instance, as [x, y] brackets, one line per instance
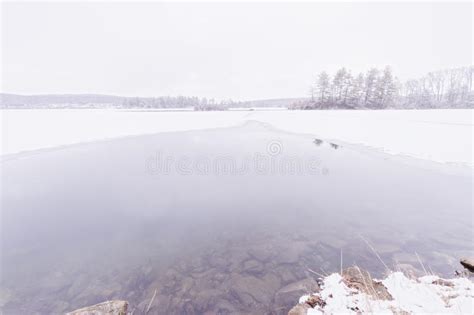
[309, 93]
[242, 51]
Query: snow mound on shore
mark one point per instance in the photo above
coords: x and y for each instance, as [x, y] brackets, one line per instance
[429, 294]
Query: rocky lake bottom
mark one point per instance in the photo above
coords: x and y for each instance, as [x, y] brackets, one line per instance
[236, 220]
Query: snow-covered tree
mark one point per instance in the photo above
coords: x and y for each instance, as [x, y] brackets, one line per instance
[323, 87]
[370, 88]
[386, 89]
[338, 85]
[356, 91]
[381, 89]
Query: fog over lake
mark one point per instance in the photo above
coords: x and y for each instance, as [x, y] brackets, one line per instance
[217, 220]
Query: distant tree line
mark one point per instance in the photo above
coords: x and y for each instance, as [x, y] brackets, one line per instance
[380, 89]
[176, 102]
[105, 101]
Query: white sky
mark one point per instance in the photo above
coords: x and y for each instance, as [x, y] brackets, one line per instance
[222, 50]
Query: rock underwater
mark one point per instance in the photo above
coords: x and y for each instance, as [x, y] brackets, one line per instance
[114, 307]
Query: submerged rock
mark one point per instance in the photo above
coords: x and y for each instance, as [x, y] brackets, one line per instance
[286, 296]
[249, 289]
[114, 307]
[252, 267]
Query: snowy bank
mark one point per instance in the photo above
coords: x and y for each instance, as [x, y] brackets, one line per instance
[355, 292]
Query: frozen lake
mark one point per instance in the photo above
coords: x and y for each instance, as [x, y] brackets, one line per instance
[218, 221]
[436, 135]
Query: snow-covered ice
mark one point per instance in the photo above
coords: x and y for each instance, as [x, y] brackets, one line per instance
[437, 135]
[25, 130]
